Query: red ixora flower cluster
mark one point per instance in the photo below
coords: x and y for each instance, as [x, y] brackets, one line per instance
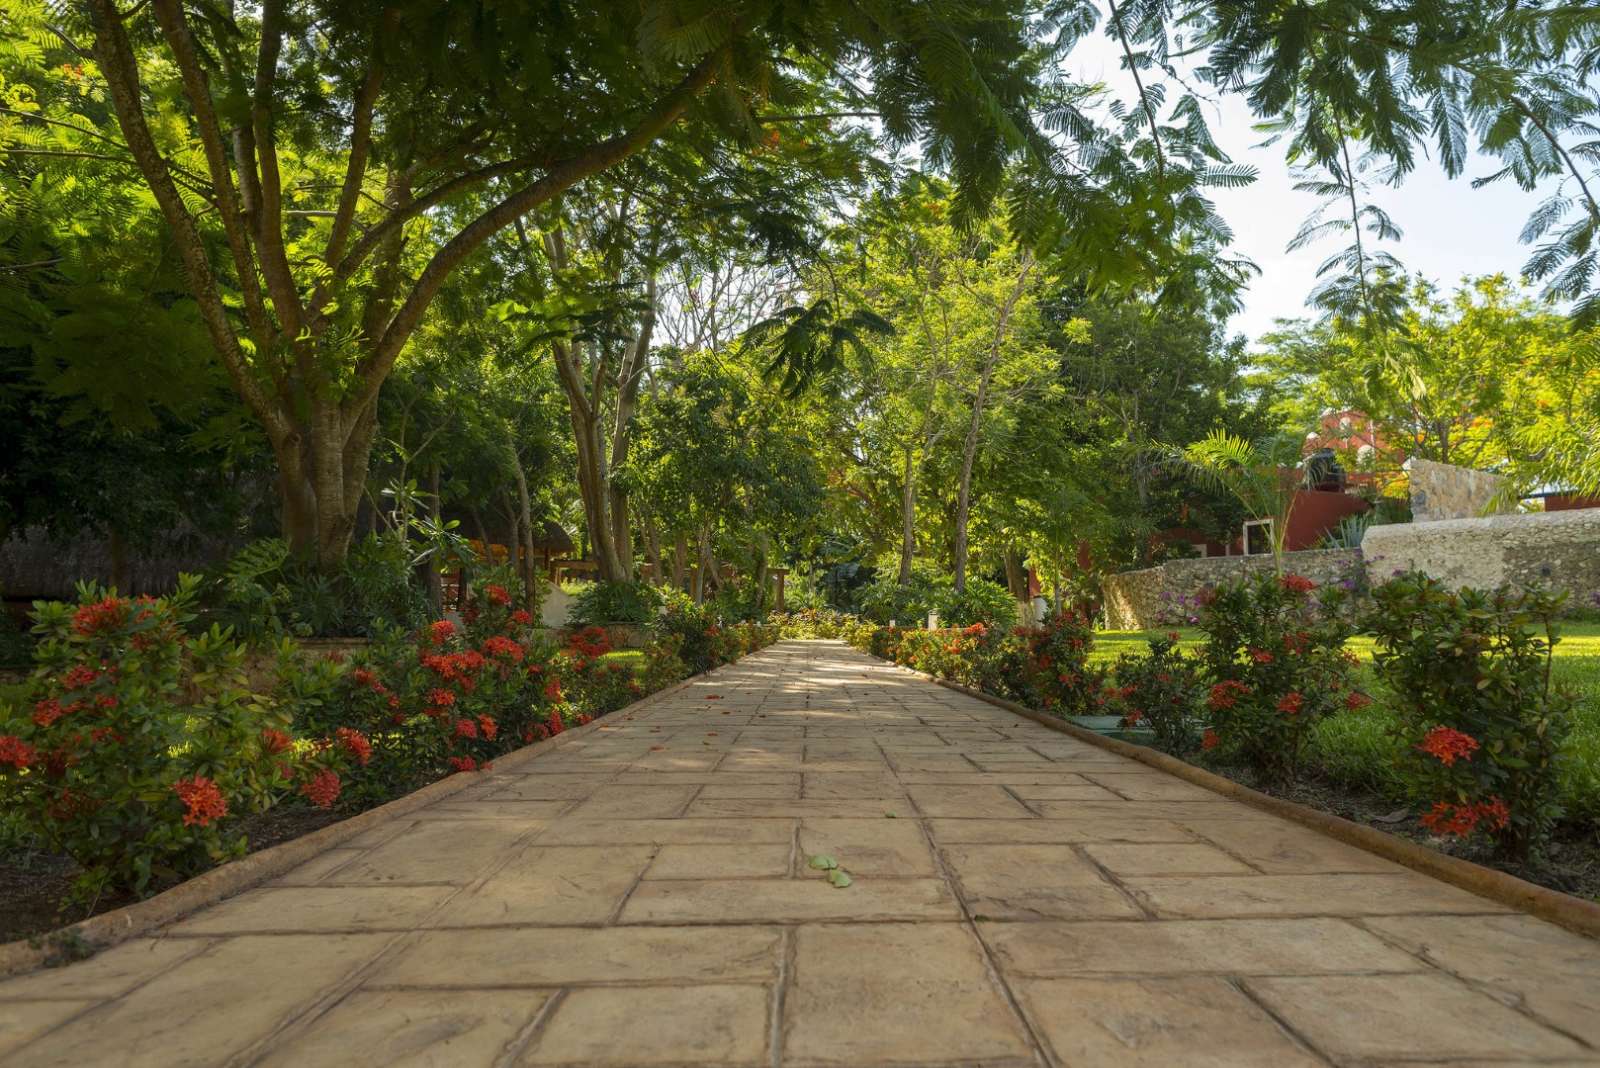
[355, 743]
[1210, 739]
[463, 763]
[1291, 703]
[47, 711]
[1356, 699]
[1448, 745]
[78, 676]
[106, 614]
[502, 646]
[16, 752]
[323, 789]
[1462, 820]
[497, 594]
[591, 642]
[440, 632]
[1226, 693]
[977, 630]
[202, 801]
[275, 741]
[455, 667]
[1297, 584]
[1260, 656]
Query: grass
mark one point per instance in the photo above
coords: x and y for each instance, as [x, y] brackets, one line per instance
[1356, 747]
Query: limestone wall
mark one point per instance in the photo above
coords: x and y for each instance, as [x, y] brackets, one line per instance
[1556, 549]
[1135, 600]
[1444, 491]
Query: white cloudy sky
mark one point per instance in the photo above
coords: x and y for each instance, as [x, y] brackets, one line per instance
[1450, 228]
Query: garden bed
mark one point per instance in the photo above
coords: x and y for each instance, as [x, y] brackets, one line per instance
[34, 884]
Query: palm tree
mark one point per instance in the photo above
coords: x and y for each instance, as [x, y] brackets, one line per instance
[1259, 473]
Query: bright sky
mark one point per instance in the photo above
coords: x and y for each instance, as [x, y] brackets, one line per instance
[1450, 228]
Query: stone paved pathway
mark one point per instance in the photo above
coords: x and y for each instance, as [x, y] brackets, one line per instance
[642, 897]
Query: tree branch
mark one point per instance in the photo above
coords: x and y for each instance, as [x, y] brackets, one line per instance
[558, 178]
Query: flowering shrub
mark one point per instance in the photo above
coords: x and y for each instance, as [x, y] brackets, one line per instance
[1163, 693]
[703, 641]
[1052, 672]
[1482, 726]
[138, 747]
[1275, 656]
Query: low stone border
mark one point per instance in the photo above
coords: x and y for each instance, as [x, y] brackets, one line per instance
[1573, 913]
[107, 929]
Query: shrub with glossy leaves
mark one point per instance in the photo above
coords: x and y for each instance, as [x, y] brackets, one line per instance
[1274, 656]
[138, 748]
[1481, 724]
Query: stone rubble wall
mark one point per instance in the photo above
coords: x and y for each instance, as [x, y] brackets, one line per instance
[1560, 550]
[1444, 491]
[1557, 550]
[1135, 600]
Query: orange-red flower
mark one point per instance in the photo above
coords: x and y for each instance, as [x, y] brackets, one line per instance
[91, 619]
[1297, 584]
[497, 594]
[355, 743]
[275, 741]
[78, 676]
[323, 789]
[202, 800]
[1448, 745]
[1356, 699]
[1210, 739]
[16, 752]
[1227, 693]
[1291, 703]
[488, 727]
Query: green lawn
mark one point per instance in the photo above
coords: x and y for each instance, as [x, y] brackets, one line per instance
[1355, 746]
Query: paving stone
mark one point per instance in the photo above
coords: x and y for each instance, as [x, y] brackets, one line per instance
[1151, 786]
[869, 846]
[1057, 831]
[895, 993]
[1054, 791]
[562, 956]
[701, 1025]
[766, 791]
[1280, 848]
[439, 851]
[207, 1008]
[24, 1021]
[1166, 859]
[834, 787]
[1301, 895]
[1554, 973]
[1415, 1016]
[551, 885]
[786, 900]
[318, 908]
[720, 862]
[612, 802]
[754, 808]
[1157, 1023]
[1034, 881]
[546, 787]
[667, 832]
[1186, 947]
[415, 1029]
[104, 975]
[967, 802]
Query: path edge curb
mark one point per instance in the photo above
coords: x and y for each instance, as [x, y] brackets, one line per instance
[65, 945]
[1565, 910]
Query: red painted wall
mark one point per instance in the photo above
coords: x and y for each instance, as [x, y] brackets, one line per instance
[1315, 513]
[1567, 502]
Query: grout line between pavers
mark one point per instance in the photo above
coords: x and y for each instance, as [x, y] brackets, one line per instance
[1242, 985]
[778, 1028]
[529, 1032]
[1042, 1053]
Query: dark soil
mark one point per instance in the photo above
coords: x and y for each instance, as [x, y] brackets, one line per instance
[34, 885]
[1571, 865]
